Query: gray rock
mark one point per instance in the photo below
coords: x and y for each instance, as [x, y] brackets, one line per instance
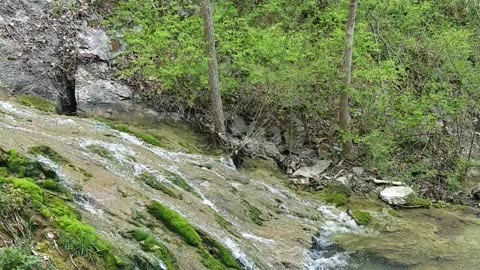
[275, 135]
[475, 192]
[236, 125]
[313, 171]
[295, 136]
[358, 170]
[94, 42]
[94, 92]
[396, 195]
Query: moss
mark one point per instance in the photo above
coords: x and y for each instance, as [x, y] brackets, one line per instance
[52, 185]
[219, 252]
[21, 166]
[47, 151]
[335, 194]
[29, 187]
[101, 151]
[80, 239]
[177, 180]
[226, 225]
[174, 222]
[151, 181]
[209, 261]
[253, 213]
[335, 199]
[361, 217]
[37, 103]
[174, 137]
[148, 138]
[150, 244]
[415, 201]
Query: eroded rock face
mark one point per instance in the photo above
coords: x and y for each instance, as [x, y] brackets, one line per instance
[94, 43]
[396, 195]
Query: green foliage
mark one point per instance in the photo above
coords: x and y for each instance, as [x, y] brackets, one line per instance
[18, 259]
[47, 151]
[37, 102]
[286, 57]
[361, 217]
[176, 223]
[12, 200]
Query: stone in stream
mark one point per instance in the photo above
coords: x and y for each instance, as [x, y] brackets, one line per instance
[396, 195]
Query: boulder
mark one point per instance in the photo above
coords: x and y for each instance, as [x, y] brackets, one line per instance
[475, 192]
[93, 92]
[295, 136]
[396, 195]
[313, 171]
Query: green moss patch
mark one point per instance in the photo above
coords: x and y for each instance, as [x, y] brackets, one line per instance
[176, 223]
[101, 151]
[213, 254]
[253, 213]
[335, 194]
[47, 151]
[415, 201]
[226, 225]
[150, 244]
[19, 259]
[219, 252]
[361, 217]
[177, 180]
[154, 183]
[21, 166]
[37, 103]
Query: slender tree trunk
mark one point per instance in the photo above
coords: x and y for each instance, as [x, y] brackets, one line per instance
[344, 115]
[213, 81]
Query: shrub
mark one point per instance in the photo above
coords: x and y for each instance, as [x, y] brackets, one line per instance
[18, 259]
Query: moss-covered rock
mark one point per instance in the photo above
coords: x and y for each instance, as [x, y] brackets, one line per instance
[361, 217]
[101, 151]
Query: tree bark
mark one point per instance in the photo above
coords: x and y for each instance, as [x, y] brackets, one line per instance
[344, 115]
[213, 81]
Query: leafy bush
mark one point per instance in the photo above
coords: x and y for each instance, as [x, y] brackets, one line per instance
[18, 259]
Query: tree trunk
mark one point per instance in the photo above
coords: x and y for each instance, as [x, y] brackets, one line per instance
[344, 115]
[213, 81]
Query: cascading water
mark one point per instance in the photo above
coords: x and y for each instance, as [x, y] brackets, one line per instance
[280, 240]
